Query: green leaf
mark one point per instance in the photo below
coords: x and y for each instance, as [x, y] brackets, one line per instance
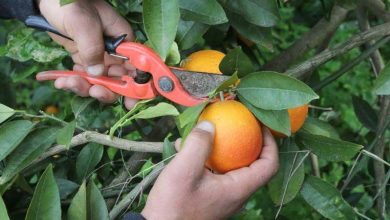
[258, 35]
[326, 199]
[277, 120]
[3, 210]
[274, 91]
[78, 207]
[11, 134]
[79, 104]
[236, 61]
[66, 187]
[146, 168]
[173, 57]
[88, 158]
[189, 33]
[168, 150]
[318, 127]
[229, 83]
[382, 83]
[328, 148]
[262, 13]
[205, 11]
[31, 148]
[161, 19]
[365, 113]
[285, 185]
[45, 203]
[191, 114]
[97, 208]
[5, 112]
[159, 110]
[65, 2]
[65, 134]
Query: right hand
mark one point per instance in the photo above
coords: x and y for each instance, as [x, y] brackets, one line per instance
[86, 22]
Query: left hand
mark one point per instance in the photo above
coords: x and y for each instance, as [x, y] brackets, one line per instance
[187, 190]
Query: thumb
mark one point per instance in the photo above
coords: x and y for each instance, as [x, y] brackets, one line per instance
[88, 36]
[196, 149]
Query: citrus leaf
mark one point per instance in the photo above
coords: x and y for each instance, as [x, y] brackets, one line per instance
[168, 150]
[65, 2]
[78, 207]
[11, 134]
[45, 203]
[236, 61]
[190, 114]
[277, 120]
[96, 206]
[79, 104]
[66, 187]
[205, 11]
[159, 110]
[274, 91]
[173, 57]
[161, 19]
[5, 112]
[318, 127]
[287, 183]
[259, 35]
[326, 199]
[382, 83]
[262, 13]
[88, 158]
[146, 168]
[328, 148]
[365, 113]
[3, 210]
[229, 83]
[28, 150]
[65, 134]
[189, 33]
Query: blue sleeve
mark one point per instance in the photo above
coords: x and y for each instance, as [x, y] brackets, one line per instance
[17, 9]
[133, 216]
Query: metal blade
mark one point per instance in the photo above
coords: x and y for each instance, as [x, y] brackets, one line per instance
[199, 84]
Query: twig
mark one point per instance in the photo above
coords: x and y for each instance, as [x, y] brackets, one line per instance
[129, 198]
[314, 165]
[313, 38]
[351, 64]
[376, 32]
[378, 8]
[95, 137]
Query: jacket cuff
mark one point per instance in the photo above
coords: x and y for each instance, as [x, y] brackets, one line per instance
[18, 9]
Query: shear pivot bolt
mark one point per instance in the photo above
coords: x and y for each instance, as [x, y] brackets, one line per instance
[165, 84]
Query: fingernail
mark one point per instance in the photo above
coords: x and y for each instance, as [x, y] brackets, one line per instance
[75, 90]
[95, 70]
[206, 126]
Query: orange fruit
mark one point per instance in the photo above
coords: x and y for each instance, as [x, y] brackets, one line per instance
[297, 117]
[203, 61]
[51, 109]
[238, 138]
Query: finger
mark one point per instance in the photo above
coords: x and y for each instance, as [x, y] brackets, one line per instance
[116, 70]
[75, 84]
[78, 67]
[178, 145]
[84, 26]
[130, 103]
[102, 94]
[259, 172]
[113, 23]
[111, 60]
[195, 151]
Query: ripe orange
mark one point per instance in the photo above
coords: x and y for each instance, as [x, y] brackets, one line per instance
[51, 109]
[297, 118]
[203, 61]
[238, 137]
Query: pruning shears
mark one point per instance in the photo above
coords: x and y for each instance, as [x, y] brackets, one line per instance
[153, 78]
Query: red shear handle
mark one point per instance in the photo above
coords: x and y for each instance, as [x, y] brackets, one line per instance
[145, 59]
[126, 86]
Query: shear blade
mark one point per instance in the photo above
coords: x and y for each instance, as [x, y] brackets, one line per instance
[199, 84]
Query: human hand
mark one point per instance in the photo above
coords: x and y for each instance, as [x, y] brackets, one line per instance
[187, 190]
[86, 22]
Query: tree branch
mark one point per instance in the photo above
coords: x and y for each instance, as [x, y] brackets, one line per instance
[130, 197]
[312, 39]
[300, 70]
[95, 137]
[378, 8]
